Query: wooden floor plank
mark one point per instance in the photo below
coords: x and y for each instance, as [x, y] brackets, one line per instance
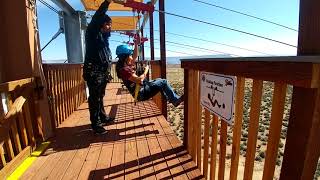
[159, 163]
[117, 162]
[103, 165]
[69, 145]
[48, 166]
[145, 162]
[90, 162]
[140, 144]
[174, 165]
[56, 159]
[188, 167]
[89, 168]
[102, 169]
[46, 156]
[131, 154]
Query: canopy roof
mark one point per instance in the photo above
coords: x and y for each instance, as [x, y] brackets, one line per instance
[92, 5]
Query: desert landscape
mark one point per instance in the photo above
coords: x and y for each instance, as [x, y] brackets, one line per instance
[175, 118]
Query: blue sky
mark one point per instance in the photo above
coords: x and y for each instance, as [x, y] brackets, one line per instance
[284, 12]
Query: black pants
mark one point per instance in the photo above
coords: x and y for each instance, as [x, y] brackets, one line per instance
[97, 85]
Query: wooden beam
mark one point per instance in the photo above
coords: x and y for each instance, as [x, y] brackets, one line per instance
[124, 23]
[10, 167]
[93, 5]
[163, 51]
[302, 148]
[186, 105]
[302, 74]
[12, 85]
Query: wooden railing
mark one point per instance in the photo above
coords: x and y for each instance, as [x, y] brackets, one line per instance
[66, 90]
[17, 123]
[115, 79]
[301, 149]
[156, 73]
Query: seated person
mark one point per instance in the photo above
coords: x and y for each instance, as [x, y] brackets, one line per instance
[127, 72]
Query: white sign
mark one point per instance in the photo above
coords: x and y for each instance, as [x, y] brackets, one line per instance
[217, 94]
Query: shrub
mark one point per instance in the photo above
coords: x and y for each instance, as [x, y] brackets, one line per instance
[258, 158]
[262, 154]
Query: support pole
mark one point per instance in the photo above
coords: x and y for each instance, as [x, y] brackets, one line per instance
[151, 37]
[163, 51]
[74, 31]
[142, 46]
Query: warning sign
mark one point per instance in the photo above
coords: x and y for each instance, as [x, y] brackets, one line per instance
[217, 94]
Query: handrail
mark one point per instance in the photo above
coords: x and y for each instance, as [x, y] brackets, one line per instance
[303, 73]
[66, 90]
[17, 136]
[291, 70]
[12, 85]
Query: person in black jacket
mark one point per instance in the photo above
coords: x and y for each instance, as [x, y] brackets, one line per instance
[97, 64]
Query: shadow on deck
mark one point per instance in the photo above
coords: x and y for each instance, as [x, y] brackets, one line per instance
[139, 145]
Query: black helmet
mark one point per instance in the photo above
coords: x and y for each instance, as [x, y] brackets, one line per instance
[106, 19]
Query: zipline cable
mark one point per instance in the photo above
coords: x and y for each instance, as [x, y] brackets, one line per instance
[245, 14]
[186, 45]
[225, 27]
[159, 48]
[214, 42]
[193, 47]
[204, 40]
[49, 6]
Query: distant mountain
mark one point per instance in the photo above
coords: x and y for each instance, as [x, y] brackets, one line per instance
[170, 60]
[176, 60]
[54, 61]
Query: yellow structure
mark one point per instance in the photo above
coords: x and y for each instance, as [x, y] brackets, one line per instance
[93, 5]
[124, 23]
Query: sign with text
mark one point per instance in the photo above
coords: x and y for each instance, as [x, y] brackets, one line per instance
[217, 94]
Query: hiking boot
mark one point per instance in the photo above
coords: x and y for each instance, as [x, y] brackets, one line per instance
[179, 101]
[99, 130]
[107, 120]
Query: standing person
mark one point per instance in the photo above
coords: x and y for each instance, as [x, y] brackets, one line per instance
[127, 72]
[97, 64]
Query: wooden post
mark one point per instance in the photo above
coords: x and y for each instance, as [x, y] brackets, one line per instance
[142, 45]
[186, 95]
[163, 51]
[302, 145]
[23, 60]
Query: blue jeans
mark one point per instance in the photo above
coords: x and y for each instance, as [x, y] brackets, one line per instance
[151, 88]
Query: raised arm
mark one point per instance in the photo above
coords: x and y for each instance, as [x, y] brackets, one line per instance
[134, 77]
[98, 17]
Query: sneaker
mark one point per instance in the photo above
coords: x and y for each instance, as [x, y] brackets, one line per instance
[107, 120]
[179, 101]
[99, 130]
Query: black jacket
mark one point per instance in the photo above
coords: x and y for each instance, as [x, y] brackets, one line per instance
[98, 53]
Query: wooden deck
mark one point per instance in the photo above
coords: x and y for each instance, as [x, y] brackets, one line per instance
[139, 145]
